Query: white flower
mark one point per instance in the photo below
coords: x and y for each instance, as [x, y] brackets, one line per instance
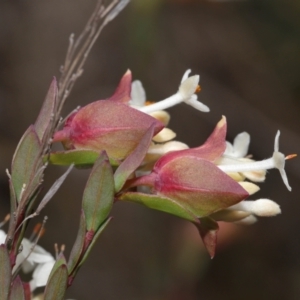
[138, 101]
[2, 237]
[41, 274]
[138, 95]
[33, 258]
[276, 161]
[260, 207]
[236, 153]
[185, 93]
[240, 146]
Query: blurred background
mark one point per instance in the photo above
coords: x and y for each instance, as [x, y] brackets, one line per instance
[247, 53]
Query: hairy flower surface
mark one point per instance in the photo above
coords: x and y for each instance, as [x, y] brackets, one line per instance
[110, 125]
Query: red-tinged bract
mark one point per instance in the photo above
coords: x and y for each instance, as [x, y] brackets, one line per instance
[110, 125]
[198, 183]
[190, 177]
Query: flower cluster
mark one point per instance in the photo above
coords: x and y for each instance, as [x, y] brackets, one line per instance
[203, 185]
[133, 157]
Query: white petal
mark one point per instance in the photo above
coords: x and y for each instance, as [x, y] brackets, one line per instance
[185, 93]
[276, 142]
[41, 274]
[186, 75]
[188, 87]
[40, 258]
[27, 266]
[250, 187]
[164, 135]
[174, 146]
[138, 94]
[241, 144]
[279, 160]
[229, 149]
[261, 207]
[158, 150]
[236, 176]
[256, 176]
[167, 147]
[2, 237]
[161, 116]
[197, 104]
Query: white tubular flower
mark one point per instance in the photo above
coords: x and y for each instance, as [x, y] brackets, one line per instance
[253, 175]
[261, 207]
[138, 101]
[240, 146]
[276, 161]
[33, 257]
[38, 260]
[186, 93]
[235, 154]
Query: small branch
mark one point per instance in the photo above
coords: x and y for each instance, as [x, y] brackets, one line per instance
[79, 49]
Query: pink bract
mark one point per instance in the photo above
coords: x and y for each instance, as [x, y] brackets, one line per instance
[110, 125]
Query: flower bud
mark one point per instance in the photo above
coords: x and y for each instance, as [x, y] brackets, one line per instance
[110, 125]
[198, 183]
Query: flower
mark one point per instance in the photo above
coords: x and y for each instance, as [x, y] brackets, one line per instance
[139, 100]
[194, 184]
[161, 143]
[238, 152]
[41, 272]
[190, 177]
[34, 258]
[110, 125]
[186, 93]
[240, 146]
[276, 161]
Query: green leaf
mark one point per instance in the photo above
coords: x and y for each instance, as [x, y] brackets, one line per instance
[5, 273]
[160, 203]
[46, 114]
[13, 199]
[17, 290]
[57, 284]
[26, 161]
[98, 194]
[87, 251]
[95, 238]
[208, 229]
[80, 158]
[133, 161]
[78, 245]
[61, 260]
